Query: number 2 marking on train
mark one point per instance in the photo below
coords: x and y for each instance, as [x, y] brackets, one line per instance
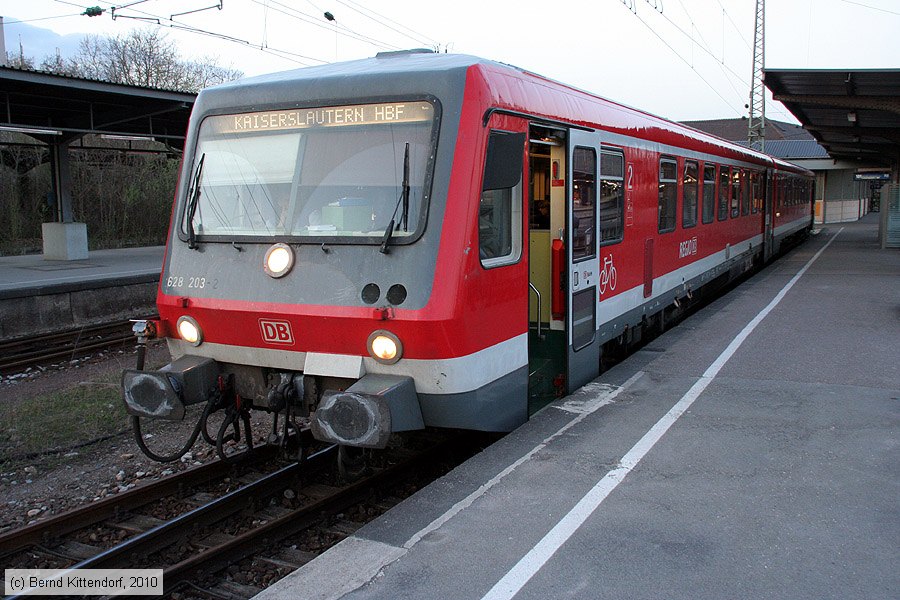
[629, 185]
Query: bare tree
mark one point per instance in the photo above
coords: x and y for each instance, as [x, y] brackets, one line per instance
[54, 63]
[144, 57]
[125, 198]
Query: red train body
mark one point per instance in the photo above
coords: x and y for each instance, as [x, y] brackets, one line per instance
[541, 225]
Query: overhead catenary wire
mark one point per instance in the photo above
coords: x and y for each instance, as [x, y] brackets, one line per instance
[706, 48]
[342, 29]
[776, 107]
[81, 6]
[702, 47]
[687, 62]
[384, 21]
[884, 10]
[14, 21]
[726, 70]
[161, 21]
[733, 24]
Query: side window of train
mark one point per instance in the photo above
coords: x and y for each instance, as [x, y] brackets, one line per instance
[584, 203]
[735, 193]
[724, 188]
[500, 208]
[691, 194]
[668, 194]
[745, 192]
[612, 197]
[709, 193]
[756, 187]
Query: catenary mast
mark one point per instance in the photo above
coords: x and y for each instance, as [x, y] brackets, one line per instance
[757, 126]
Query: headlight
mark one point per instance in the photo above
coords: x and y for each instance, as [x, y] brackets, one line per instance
[279, 260]
[385, 347]
[190, 331]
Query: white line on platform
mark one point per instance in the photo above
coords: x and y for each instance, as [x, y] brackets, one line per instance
[516, 578]
[606, 396]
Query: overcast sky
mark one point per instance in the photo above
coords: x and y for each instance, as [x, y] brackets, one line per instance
[681, 59]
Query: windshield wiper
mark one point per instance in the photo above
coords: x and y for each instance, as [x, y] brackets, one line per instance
[193, 200]
[404, 200]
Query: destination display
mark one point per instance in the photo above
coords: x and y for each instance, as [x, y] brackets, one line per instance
[326, 116]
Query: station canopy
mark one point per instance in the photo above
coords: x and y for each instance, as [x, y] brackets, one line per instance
[854, 114]
[56, 107]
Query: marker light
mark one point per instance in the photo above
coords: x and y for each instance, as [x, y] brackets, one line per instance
[190, 331]
[385, 347]
[279, 260]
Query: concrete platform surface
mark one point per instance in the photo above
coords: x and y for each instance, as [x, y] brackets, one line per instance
[40, 296]
[33, 275]
[751, 452]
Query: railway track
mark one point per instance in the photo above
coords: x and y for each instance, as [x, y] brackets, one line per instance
[31, 351]
[214, 531]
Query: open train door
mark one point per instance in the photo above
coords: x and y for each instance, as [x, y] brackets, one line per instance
[582, 233]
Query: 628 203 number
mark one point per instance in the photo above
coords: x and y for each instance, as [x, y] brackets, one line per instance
[191, 282]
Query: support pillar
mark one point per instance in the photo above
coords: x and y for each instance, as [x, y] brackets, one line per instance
[62, 181]
[64, 239]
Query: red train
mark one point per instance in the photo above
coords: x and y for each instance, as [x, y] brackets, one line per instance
[431, 240]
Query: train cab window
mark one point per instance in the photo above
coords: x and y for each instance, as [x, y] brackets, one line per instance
[330, 173]
[668, 194]
[735, 193]
[745, 192]
[612, 197]
[584, 203]
[724, 189]
[709, 193]
[691, 194]
[500, 208]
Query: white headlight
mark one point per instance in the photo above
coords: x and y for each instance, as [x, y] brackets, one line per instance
[279, 260]
[385, 347]
[190, 331]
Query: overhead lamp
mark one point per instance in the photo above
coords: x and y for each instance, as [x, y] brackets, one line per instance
[30, 130]
[127, 138]
[851, 116]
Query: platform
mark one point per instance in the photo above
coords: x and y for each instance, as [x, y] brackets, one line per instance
[31, 274]
[37, 295]
[750, 452]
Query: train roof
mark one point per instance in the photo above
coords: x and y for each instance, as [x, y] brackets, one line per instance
[510, 87]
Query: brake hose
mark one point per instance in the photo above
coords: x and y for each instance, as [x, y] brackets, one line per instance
[139, 438]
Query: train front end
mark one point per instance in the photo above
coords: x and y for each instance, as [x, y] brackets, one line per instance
[301, 260]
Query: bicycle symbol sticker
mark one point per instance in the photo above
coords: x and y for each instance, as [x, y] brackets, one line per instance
[608, 275]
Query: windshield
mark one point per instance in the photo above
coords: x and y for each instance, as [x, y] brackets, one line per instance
[330, 171]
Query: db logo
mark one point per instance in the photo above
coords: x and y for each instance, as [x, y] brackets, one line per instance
[276, 332]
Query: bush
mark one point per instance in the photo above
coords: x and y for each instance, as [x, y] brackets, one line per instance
[125, 198]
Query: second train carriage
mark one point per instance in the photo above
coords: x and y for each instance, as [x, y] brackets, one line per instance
[425, 239]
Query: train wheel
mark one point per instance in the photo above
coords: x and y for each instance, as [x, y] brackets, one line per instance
[351, 462]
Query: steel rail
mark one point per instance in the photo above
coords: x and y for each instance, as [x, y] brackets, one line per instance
[30, 351]
[252, 542]
[168, 532]
[59, 525]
